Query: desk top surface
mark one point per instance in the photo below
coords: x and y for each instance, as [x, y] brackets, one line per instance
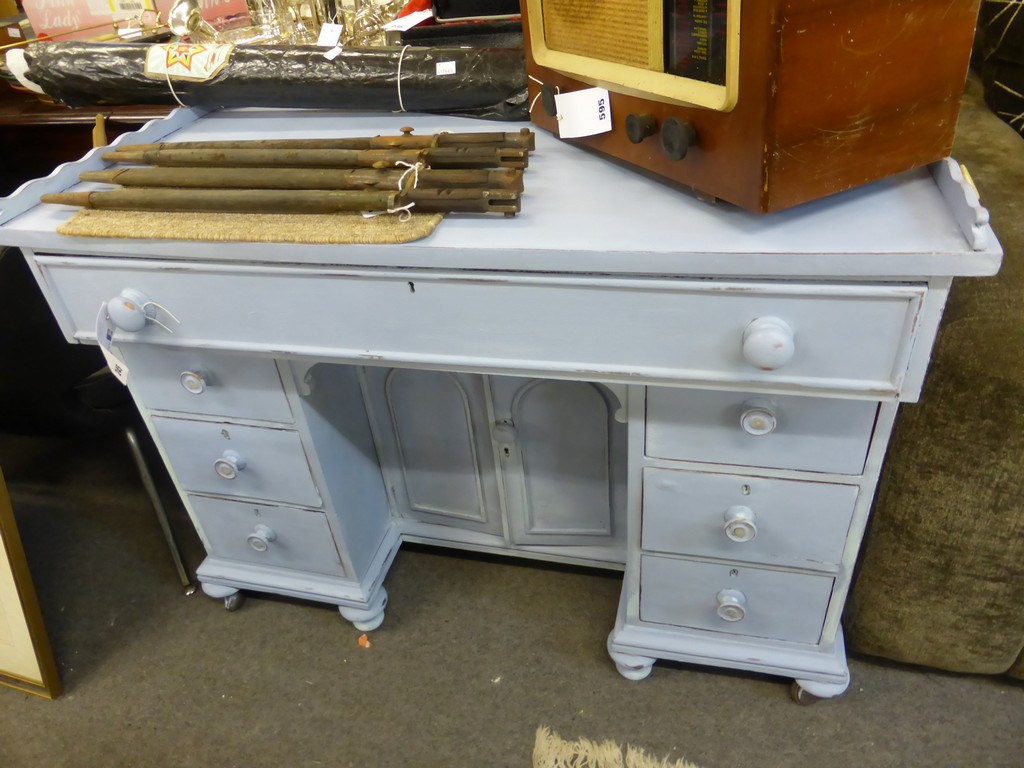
[580, 213]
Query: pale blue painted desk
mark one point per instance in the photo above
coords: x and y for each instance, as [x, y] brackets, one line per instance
[621, 376]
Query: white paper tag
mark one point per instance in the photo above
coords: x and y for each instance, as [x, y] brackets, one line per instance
[334, 53]
[445, 68]
[14, 31]
[583, 113]
[408, 22]
[119, 369]
[105, 337]
[330, 34]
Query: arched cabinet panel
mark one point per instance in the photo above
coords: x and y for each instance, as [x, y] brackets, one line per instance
[435, 447]
[563, 457]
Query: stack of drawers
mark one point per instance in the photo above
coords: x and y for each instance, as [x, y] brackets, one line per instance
[229, 435]
[747, 506]
[758, 553]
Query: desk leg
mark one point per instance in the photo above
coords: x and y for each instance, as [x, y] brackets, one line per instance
[369, 618]
[232, 597]
[629, 666]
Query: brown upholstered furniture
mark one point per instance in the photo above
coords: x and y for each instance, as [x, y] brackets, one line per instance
[941, 577]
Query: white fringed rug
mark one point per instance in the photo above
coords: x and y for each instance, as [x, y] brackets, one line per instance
[552, 751]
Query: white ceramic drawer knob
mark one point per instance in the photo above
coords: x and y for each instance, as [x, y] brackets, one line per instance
[732, 605]
[740, 524]
[758, 419]
[229, 465]
[768, 343]
[261, 537]
[130, 309]
[194, 382]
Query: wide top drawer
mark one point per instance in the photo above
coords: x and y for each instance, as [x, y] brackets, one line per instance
[827, 338]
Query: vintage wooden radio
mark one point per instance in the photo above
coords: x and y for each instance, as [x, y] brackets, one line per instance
[763, 103]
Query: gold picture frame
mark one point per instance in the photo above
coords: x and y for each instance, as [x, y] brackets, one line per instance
[26, 660]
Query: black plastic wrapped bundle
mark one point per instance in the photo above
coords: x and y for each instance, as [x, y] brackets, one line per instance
[487, 82]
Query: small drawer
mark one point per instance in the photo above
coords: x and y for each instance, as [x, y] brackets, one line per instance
[268, 535]
[776, 431]
[233, 460]
[210, 383]
[738, 600]
[750, 519]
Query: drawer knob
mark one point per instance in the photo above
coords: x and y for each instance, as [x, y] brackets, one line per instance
[261, 537]
[758, 419]
[130, 310]
[229, 465]
[194, 382]
[732, 605]
[768, 343]
[740, 524]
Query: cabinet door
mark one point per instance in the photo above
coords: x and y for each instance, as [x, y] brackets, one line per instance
[434, 444]
[563, 459]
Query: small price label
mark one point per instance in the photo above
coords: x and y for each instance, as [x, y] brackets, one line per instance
[334, 53]
[583, 113]
[330, 34]
[119, 369]
[105, 337]
[445, 68]
[409, 21]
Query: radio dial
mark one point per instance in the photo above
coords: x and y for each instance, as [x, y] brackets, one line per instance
[639, 127]
[677, 137]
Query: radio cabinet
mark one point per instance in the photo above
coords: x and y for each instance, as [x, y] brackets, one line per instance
[619, 377]
[815, 97]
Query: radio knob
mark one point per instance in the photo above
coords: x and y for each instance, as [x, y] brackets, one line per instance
[677, 137]
[639, 127]
[547, 99]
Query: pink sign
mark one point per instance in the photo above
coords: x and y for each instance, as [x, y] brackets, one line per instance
[82, 19]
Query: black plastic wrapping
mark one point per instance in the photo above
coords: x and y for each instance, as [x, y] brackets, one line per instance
[488, 82]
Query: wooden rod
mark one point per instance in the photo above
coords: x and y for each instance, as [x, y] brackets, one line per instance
[435, 157]
[306, 178]
[288, 201]
[523, 139]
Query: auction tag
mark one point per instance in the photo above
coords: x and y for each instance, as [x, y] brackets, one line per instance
[119, 369]
[330, 34]
[105, 338]
[409, 21]
[583, 113]
[445, 68]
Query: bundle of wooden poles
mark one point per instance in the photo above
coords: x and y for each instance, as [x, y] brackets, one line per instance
[446, 172]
